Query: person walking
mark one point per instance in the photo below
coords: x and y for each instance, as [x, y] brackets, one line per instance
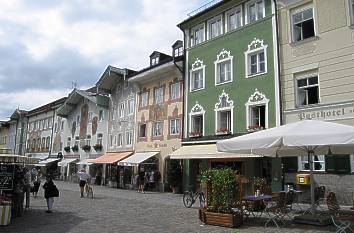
[50, 191]
[27, 186]
[83, 177]
[141, 181]
[36, 185]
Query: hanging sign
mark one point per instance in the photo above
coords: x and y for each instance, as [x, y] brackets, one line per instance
[6, 177]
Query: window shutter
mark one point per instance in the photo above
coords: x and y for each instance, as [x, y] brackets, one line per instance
[290, 164]
[330, 163]
[342, 164]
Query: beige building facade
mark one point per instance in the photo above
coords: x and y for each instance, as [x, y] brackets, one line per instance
[317, 77]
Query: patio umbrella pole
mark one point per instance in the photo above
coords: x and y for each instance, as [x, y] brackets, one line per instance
[310, 154]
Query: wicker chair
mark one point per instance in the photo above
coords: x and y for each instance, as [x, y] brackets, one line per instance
[341, 221]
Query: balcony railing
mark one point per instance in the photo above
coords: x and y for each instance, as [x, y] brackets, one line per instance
[204, 7]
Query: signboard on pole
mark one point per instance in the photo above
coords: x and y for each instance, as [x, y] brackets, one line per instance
[6, 177]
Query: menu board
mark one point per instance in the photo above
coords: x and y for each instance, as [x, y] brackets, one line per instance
[6, 177]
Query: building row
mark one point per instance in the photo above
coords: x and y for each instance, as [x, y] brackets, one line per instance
[242, 66]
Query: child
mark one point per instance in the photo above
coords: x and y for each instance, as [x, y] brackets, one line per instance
[50, 191]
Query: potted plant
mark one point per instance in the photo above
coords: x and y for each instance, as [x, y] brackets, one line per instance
[67, 149]
[221, 193]
[252, 128]
[75, 148]
[223, 131]
[86, 148]
[195, 134]
[98, 147]
[174, 175]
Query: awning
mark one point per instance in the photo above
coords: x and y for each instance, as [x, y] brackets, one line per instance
[48, 161]
[85, 162]
[15, 159]
[206, 151]
[137, 158]
[111, 157]
[65, 162]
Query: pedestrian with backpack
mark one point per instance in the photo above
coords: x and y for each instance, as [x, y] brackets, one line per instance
[50, 191]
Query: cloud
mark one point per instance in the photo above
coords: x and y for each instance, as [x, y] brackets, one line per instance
[46, 45]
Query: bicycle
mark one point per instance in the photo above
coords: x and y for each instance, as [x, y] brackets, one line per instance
[189, 198]
[88, 190]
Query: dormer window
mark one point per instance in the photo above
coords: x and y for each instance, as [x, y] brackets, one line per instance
[177, 49]
[154, 61]
[178, 52]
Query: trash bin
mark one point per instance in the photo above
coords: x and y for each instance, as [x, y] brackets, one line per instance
[5, 215]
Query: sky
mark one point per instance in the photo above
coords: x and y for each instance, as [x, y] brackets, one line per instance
[46, 45]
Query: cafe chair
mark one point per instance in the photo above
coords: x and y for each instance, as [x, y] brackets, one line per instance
[276, 210]
[319, 199]
[340, 220]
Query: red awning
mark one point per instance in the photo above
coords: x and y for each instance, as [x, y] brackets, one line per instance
[111, 157]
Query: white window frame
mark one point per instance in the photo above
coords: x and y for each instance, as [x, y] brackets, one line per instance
[307, 77]
[201, 26]
[146, 94]
[197, 66]
[119, 140]
[173, 122]
[175, 94]
[68, 142]
[155, 61]
[121, 109]
[139, 130]
[129, 135]
[154, 129]
[219, 108]
[178, 51]
[227, 16]
[100, 115]
[90, 117]
[256, 99]
[255, 47]
[99, 139]
[299, 10]
[131, 107]
[210, 22]
[77, 141]
[196, 110]
[158, 100]
[247, 19]
[303, 159]
[223, 57]
[88, 140]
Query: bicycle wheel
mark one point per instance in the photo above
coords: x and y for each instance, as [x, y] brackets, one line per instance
[187, 199]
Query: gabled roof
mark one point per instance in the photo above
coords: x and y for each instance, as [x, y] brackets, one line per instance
[110, 78]
[18, 113]
[75, 98]
[47, 107]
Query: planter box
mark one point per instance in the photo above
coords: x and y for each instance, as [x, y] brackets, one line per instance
[219, 219]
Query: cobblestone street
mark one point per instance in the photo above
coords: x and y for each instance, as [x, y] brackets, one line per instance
[115, 210]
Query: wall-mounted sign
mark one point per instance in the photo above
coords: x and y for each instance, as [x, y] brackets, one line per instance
[6, 177]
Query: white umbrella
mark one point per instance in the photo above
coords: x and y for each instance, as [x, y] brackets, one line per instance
[307, 137]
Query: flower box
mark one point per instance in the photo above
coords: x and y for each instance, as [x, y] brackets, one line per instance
[75, 148]
[98, 147]
[195, 134]
[67, 149]
[252, 128]
[220, 219]
[223, 131]
[86, 148]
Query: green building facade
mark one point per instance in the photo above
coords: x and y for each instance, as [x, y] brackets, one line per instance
[232, 83]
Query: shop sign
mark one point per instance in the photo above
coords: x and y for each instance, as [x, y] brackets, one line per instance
[6, 177]
[157, 145]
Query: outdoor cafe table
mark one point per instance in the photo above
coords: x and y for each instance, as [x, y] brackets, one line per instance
[257, 199]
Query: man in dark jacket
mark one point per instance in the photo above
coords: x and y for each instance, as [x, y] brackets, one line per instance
[50, 191]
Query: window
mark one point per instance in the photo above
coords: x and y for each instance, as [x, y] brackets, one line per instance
[90, 117]
[45, 123]
[43, 144]
[339, 164]
[157, 129]
[88, 140]
[197, 35]
[223, 72]
[256, 58]
[234, 19]
[100, 115]
[78, 119]
[175, 91]
[111, 140]
[50, 123]
[290, 164]
[307, 91]
[77, 141]
[178, 51]
[120, 139]
[35, 126]
[40, 125]
[144, 97]
[33, 144]
[130, 107]
[68, 143]
[55, 127]
[113, 113]
[38, 144]
[62, 125]
[303, 25]
[121, 109]
[175, 126]
[215, 27]
[47, 143]
[257, 117]
[224, 121]
[255, 10]
[224, 114]
[197, 80]
[158, 95]
[352, 10]
[319, 163]
[129, 138]
[142, 130]
[99, 139]
[197, 125]
[154, 61]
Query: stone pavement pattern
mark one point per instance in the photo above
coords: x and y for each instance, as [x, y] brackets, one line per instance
[116, 210]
